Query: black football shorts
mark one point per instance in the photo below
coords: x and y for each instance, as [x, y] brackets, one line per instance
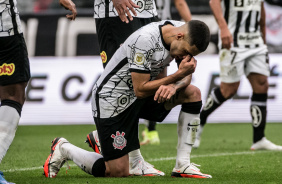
[112, 32]
[119, 135]
[14, 62]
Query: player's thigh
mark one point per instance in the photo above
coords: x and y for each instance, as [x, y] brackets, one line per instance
[14, 66]
[119, 134]
[231, 66]
[258, 71]
[152, 110]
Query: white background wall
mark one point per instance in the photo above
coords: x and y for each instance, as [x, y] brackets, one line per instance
[60, 87]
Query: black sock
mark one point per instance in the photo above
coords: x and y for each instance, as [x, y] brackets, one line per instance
[152, 126]
[214, 100]
[12, 104]
[258, 113]
[99, 168]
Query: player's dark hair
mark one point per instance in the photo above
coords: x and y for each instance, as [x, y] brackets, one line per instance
[199, 34]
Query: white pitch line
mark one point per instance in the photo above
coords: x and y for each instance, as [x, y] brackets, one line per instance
[158, 159]
[210, 155]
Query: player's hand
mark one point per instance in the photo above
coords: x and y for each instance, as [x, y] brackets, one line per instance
[69, 5]
[164, 93]
[187, 66]
[123, 7]
[226, 38]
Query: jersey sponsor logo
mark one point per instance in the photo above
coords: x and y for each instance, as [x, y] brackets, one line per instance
[249, 38]
[119, 140]
[144, 5]
[158, 47]
[239, 3]
[139, 58]
[103, 56]
[256, 115]
[7, 69]
[247, 5]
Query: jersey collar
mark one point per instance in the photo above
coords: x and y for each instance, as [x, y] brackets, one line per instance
[160, 28]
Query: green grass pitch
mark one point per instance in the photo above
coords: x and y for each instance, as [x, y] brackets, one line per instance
[224, 153]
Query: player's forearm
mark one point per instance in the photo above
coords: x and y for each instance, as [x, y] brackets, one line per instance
[262, 23]
[183, 9]
[217, 12]
[150, 87]
[182, 83]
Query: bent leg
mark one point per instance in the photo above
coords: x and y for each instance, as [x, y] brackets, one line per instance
[258, 108]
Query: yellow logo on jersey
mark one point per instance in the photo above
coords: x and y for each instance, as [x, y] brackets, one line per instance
[7, 69]
[103, 56]
[139, 58]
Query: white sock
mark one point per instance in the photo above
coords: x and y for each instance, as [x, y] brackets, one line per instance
[134, 157]
[9, 119]
[187, 129]
[82, 158]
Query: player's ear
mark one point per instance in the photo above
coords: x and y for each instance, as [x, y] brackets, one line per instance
[180, 36]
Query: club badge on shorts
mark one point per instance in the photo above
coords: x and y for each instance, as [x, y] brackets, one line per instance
[103, 56]
[119, 140]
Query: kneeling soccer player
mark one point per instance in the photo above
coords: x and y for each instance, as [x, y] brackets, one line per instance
[135, 85]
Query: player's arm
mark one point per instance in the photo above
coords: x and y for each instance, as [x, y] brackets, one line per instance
[183, 9]
[69, 5]
[262, 23]
[143, 87]
[124, 7]
[226, 36]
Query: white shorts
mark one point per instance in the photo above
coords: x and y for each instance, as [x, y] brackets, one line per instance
[237, 62]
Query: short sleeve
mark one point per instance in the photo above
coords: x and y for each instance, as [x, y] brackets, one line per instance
[139, 54]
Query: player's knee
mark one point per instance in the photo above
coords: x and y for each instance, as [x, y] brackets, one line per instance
[194, 94]
[229, 92]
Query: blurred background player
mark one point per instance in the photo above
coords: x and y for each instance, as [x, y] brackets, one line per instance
[150, 134]
[14, 75]
[242, 52]
[114, 23]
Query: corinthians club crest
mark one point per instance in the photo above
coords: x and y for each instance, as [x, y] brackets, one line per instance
[119, 140]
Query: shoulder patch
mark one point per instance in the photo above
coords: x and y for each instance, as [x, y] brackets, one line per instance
[139, 58]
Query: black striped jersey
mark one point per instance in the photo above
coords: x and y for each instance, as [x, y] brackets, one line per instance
[144, 51]
[243, 19]
[163, 9]
[105, 8]
[9, 18]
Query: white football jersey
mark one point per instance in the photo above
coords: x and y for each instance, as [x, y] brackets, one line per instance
[9, 18]
[243, 18]
[105, 8]
[144, 52]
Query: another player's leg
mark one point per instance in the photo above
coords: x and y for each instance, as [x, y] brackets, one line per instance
[10, 112]
[215, 99]
[137, 165]
[150, 134]
[258, 110]
[62, 151]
